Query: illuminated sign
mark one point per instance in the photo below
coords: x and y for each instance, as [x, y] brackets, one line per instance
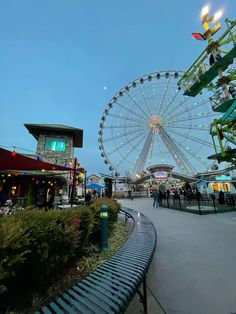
[160, 175]
[55, 144]
[223, 178]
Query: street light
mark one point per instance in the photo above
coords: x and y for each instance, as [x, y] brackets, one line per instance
[209, 32]
[213, 47]
[217, 15]
[85, 183]
[205, 11]
[73, 184]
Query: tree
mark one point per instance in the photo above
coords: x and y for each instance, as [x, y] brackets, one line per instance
[108, 187]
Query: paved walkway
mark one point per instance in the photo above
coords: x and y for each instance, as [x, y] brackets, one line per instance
[194, 266]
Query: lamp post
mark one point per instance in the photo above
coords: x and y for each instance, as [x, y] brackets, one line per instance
[104, 227]
[213, 46]
[73, 184]
[115, 187]
[85, 183]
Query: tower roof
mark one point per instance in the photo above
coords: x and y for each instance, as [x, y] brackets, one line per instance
[37, 129]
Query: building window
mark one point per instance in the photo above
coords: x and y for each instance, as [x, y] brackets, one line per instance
[225, 187]
[215, 187]
[55, 144]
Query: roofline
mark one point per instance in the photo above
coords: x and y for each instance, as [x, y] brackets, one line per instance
[35, 129]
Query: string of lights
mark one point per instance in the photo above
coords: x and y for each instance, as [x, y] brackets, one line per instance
[13, 147]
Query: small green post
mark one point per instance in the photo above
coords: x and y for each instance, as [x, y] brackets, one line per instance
[104, 227]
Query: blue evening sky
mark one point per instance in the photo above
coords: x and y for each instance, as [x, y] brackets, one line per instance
[56, 56]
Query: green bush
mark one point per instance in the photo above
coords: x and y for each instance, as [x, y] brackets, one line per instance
[36, 247]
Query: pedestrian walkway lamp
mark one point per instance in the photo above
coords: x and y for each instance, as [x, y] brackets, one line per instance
[104, 227]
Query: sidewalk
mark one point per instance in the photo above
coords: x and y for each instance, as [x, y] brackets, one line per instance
[194, 267]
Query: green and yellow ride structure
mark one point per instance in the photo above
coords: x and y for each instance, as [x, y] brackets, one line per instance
[215, 70]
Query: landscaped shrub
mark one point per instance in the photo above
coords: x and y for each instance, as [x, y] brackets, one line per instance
[36, 247]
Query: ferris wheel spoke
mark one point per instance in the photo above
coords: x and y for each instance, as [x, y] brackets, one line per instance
[111, 138]
[139, 166]
[137, 104]
[159, 143]
[120, 126]
[128, 141]
[144, 97]
[192, 107]
[157, 140]
[175, 151]
[151, 149]
[124, 117]
[138, 136]
[130, 151]
[177, 107]
[163, 98]
[128, 109]
[153, 89]
[202, 128]
[193, 138]
[192, 154]
[194, 118]
[171, 101]
[189, 108]
[182, 156]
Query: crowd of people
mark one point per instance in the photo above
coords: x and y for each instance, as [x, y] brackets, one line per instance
[92, 195]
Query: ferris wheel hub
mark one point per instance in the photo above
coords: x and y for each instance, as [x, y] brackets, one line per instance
[155, 121]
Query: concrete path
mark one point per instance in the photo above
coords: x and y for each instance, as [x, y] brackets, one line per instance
[194, 266]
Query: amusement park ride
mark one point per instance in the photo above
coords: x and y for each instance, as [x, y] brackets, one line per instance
[215, 70]
[162, 117]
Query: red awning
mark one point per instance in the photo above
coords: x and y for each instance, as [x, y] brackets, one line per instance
[14, 161]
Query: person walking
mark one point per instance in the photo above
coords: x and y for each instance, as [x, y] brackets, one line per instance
[130, 195]
[155, 196]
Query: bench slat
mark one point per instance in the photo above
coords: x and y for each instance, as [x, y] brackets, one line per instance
[81, 306]
[115, 287]
[115, 279]
[92, 307]
[56, 308]
[117, 299]
[65, 306]
[100, 295]
[122, 272]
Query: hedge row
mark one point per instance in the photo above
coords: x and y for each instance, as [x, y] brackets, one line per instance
[36, 247]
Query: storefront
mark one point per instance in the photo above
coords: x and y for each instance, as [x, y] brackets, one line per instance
[224, 183]
[29, 181]
[29, 189]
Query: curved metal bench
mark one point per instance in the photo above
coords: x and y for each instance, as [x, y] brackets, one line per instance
[111, 287]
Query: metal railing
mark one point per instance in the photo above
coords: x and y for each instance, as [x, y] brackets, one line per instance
[200, 205]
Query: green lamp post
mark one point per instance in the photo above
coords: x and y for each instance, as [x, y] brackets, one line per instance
[104, 227]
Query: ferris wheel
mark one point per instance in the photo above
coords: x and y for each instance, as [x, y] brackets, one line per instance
[149, 121]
